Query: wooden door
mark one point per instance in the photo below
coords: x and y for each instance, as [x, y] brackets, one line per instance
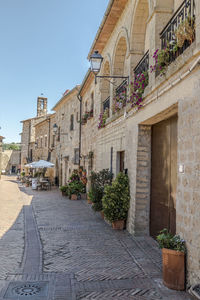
[163, 176]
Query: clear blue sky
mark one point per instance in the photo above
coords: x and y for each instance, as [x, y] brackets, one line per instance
[43, 49]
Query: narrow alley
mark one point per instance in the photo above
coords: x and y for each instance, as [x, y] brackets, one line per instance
[53, 248]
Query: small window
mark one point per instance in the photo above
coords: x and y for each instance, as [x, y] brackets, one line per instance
[92, 101]
[58, 138]
[76, 156]
[45, 141]
[41, 142]
[53, 143]
[72, 122]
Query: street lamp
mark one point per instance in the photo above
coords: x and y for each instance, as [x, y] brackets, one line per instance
[96, 62]
[55, 128]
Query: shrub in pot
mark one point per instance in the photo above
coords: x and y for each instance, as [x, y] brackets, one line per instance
[116, 201]
[64, 190]
[98, 182]
[173, 259]
[75, 186]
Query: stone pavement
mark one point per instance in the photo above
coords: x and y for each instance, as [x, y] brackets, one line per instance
[69, 252]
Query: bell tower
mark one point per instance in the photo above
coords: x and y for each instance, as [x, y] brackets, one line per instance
[41, 106]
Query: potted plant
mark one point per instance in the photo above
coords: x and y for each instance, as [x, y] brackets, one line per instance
[89, 197]
[75, 189]
[75, 186]
[116, 201]
[64, 190]
[185, 32]
[173, 259]
[98, 182]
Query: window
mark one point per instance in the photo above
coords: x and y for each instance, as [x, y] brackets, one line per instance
[76, 156]
[58, 138]
[72, 122]
[41, 141]
[53, 142]
[92, 101]
[45, 141]
[120, 161]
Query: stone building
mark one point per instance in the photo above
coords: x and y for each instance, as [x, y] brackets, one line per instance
[44, 139]
[88, 124]
[157, 139]
[66, 138]
[11, 160]
[1, 142]
[28, 132]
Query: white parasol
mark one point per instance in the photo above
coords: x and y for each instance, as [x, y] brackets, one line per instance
[40, 164]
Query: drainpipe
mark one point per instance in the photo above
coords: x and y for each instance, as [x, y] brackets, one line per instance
[49, 152]
[80, 100]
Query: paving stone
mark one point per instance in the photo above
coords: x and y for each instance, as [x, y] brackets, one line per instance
[69, 247]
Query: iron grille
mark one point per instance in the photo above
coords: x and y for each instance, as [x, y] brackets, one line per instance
[143, 65]
[184, 12]
[106, 104]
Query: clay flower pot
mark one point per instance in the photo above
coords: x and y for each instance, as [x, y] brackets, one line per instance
[83, 196]
[74, 197]
[119, 224]
[89, 201]
[102, 214]
[173, 269]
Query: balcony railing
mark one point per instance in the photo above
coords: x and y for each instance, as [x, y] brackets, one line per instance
[106, 104]
[186, 12]
[143, 65]
[121, 89]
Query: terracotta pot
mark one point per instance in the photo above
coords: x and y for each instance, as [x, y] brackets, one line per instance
[83, 196]
[74, 197]
[102, 214]
[119, 224]
[63, 194]
[173, 269]
[89, 201]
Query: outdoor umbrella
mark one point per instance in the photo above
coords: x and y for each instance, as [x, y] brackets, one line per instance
[41, 164]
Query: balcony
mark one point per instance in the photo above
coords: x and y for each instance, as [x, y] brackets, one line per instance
[120, 96]
[143, 65]
[174, 35]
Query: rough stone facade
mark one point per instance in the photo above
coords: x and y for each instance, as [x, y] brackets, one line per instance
[11, 160]
[129, 29]
[66, 139]
[28, 132]
[134, 27]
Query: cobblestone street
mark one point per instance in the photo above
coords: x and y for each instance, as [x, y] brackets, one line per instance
[56, 249]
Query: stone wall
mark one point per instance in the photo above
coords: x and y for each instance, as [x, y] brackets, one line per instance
[11, 158]
[68, 140]
[188, 192]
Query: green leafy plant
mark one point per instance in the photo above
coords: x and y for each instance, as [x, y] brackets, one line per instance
[169, 241]
[98, 182]
[185, 32]
[116, 199]
[137, 88]
[102, 118]
[64, 189]
[22, 174]
[75, 185]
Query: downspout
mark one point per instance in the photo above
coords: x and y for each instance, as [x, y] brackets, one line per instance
[29, 140]
[80, 100]
[49, 152]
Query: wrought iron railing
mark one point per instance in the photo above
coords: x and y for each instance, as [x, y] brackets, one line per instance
[186, 12]
[106, 104]
[122, 88]
[143, 65]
